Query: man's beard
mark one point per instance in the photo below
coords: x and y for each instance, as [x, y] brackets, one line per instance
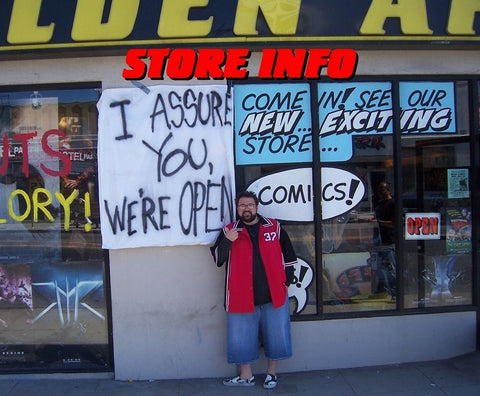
[248, 217]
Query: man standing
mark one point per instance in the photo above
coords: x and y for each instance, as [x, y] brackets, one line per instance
[385, 213]
[260, 266]
[384, 263]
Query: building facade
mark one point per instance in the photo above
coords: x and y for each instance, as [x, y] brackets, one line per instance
[312, 105]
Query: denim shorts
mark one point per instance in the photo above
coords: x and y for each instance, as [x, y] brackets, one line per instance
[243, 330]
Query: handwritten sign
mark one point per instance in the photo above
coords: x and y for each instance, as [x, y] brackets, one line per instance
[165, 165]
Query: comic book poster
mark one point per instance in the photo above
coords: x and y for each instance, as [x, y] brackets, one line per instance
[459, 230]
[15, 296]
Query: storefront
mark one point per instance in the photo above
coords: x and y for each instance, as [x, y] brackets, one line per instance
[126, 129]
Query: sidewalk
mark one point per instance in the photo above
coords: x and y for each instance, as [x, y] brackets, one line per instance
[459, 376]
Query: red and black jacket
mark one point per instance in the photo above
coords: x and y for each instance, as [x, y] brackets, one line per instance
[276, 252]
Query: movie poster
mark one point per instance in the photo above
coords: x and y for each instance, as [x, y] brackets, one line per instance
[459, 230]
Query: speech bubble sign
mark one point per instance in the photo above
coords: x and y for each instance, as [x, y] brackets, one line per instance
[288, 195]
[348, 109]
[272, 120]
[341, 192]
[303, 277]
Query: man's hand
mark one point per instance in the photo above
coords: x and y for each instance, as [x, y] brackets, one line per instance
[232, 235]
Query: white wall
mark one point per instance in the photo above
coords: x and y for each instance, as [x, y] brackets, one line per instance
[168, 317]
[167, 308]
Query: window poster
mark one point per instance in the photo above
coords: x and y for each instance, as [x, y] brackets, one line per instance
[272, 124]
[457, 181]
[348, 275]
[51, 304]
[352, 109]
[427, 107]
[365, 109]
[15, 291]
[459, 230]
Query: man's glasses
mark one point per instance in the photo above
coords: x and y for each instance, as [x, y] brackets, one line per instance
[245, 206]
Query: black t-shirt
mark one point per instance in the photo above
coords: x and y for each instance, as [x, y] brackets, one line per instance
[385, 211]
[261, 291]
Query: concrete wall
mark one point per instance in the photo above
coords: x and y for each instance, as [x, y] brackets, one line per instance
[168, 317]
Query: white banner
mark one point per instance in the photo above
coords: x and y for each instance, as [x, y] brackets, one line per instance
[165, 166]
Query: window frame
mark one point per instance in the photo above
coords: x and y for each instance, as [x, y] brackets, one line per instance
[473, 137]
[62, 347]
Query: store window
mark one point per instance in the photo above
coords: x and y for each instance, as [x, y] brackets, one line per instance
[273, 157]
[53, 297]
[436, 197]
[358, 211]
[372, 180]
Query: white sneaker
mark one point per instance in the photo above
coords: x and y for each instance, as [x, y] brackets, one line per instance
[270, 381]
[237, 381]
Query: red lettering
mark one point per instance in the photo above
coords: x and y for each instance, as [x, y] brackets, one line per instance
[425, 226]
[209, 64]
[266, 65]
[181, 64]
[211, 61]
[429, 225]
[215, 63]
[158, 57]
[418, 225]
[289, 63]
[298, 63]
[317, 59]
[342, 64]
[138, 67]
[67, 164]
[237, 60]
[410, 226]
[434, 225]
[24, 138]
